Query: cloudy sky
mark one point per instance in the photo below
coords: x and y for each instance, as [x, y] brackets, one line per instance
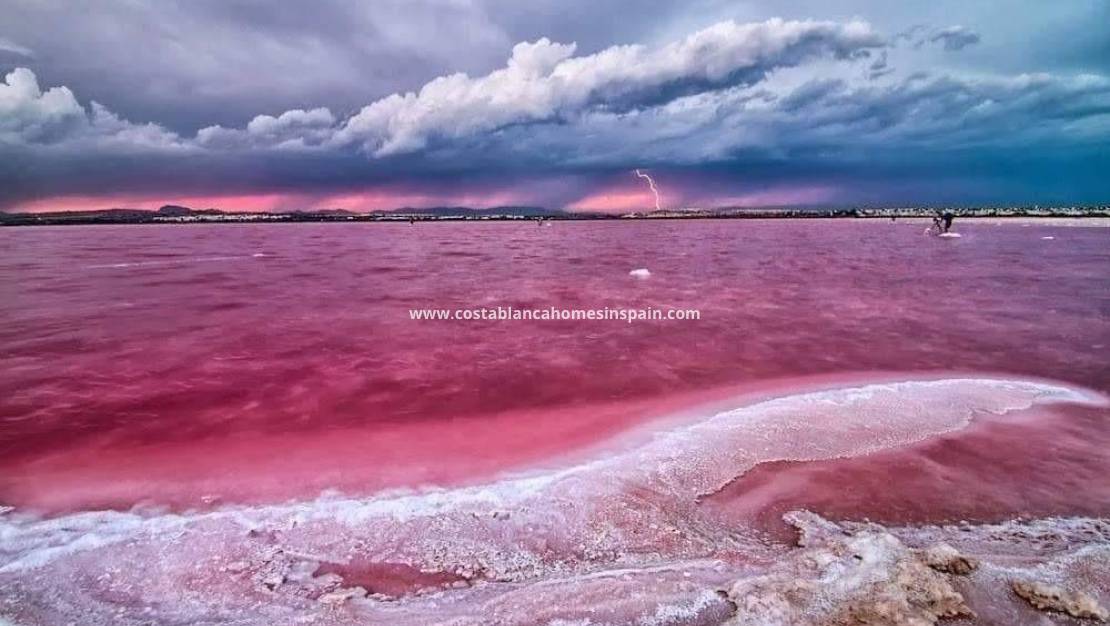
[390, 103]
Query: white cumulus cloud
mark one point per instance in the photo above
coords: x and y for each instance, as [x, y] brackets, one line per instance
[292, 129]
[544, 81]
[764, 90]
[31, 116]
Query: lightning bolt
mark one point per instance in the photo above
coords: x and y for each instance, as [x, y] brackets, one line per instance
[654, 190]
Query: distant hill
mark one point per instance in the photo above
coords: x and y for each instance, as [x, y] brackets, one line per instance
[174, 210]
[118, 215]
[108, 214]
[326, 212]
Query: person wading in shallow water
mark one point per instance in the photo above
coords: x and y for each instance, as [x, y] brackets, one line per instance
[941, 223]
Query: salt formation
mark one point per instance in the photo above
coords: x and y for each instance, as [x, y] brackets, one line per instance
[845, 577]
[621, 539]
[944, 558]
[1074, 603]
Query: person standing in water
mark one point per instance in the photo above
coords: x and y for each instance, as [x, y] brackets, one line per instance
[942, 222]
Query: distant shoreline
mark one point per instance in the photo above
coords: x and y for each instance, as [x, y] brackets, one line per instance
[181, 215]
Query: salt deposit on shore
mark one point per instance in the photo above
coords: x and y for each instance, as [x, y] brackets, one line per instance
[616, 540]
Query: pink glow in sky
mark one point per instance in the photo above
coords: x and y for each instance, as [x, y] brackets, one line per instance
[634, 196]
[620, 197]
[366, 200]
[615, 201]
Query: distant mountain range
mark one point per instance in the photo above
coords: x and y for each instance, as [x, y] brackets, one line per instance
[109, 215]
[177, 213]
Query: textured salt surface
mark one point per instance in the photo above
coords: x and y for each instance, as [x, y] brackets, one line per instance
[1042, 463]
[616, 540]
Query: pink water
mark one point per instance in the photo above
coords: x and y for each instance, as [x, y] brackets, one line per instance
[179, 405]
[231, 363]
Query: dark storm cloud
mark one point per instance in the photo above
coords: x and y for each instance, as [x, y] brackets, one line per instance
[955, 38]
[193, 63]
[187, 64]
[552, 100]
[542, 81]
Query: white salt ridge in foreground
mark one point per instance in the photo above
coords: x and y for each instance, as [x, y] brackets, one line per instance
[617, 539]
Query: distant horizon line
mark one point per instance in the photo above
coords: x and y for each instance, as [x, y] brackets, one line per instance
[569, 211]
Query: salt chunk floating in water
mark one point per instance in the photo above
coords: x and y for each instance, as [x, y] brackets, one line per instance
[640, 273]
